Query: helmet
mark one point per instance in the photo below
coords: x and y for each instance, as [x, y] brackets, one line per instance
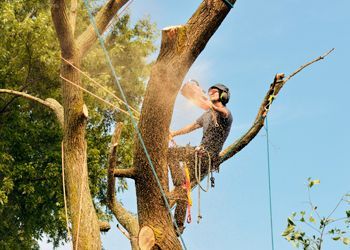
[224, 92]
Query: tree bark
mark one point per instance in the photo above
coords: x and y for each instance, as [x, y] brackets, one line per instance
[180, 47]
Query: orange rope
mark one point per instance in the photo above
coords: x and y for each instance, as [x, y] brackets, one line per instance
[96, 96]
[100, 85]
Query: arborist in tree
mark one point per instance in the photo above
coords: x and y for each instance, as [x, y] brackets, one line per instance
[216, 123]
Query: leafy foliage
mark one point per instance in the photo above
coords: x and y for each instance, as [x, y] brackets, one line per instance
[335, 228]
[31, 199]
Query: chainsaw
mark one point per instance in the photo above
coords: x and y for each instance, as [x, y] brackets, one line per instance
[193, 92]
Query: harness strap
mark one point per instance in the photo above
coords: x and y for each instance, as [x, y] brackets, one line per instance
[187, 186]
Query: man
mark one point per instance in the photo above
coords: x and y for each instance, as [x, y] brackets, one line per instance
[216, 124]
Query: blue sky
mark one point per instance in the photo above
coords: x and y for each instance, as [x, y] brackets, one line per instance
[308, 122]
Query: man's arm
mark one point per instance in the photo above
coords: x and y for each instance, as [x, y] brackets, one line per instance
[222, 110]
[189, 128]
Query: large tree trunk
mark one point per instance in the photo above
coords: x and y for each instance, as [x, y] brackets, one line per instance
[157, 110]
[180, 47]
[85, 227]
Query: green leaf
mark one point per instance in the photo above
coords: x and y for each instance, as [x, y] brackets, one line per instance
[348, 213]
[288, 230]
[313, 182]
[346, 241]
[290, 221]
[336, 238]
[312, 219]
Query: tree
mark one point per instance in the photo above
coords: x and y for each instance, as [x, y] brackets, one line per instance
[180, 46]
[320, 226]
[31, 198]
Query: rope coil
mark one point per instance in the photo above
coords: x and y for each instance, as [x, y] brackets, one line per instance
[197, 173]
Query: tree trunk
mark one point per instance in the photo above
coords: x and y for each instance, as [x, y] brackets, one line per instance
[180, 47]
[85, 227]
[157, 107]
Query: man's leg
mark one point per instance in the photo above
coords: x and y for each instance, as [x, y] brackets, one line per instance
[175, 156]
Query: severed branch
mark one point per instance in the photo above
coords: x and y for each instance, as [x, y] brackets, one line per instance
[103, 18]
[263, 110]
[126, 219]
[49, 102]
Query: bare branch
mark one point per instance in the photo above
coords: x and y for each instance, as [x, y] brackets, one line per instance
[126, 219]
[49, 102]
[309, 63]
[275, 87]
[104, 226]
[103, 17]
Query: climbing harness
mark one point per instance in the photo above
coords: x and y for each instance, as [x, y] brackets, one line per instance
[199, 153]
[137, 130]
[187, 186]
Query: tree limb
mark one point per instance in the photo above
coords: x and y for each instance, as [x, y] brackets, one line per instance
[263, 110]
[188, 41]
[63, 27]
[103, 17]
[49, 102]
[126, 219]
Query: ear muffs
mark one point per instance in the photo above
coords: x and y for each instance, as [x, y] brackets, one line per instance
[224, 97]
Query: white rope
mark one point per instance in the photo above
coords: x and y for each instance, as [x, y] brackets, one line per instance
[197, 173]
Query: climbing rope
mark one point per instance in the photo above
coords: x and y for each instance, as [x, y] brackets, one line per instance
[229, 4]
[98, 84]
[197, 170]
[197, 173]
[80, 203]
[118, 15]
[96, 96]
[269, 181]
[116, 81]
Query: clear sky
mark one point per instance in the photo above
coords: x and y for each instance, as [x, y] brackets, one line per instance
[308, 122]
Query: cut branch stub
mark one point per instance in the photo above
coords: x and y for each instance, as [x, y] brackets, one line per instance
[104, 226]
[146, 238]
